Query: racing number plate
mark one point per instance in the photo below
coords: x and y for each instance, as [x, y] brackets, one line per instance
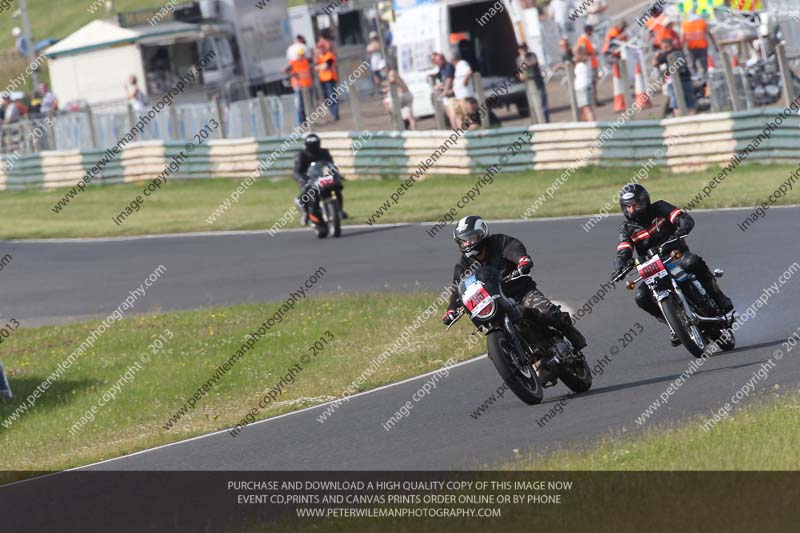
[476, 298]
[326, 181]
[652, 270]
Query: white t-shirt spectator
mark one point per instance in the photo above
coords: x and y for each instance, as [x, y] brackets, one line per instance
[12, 113]
[583, 76]
[47, 102]
[461, 91]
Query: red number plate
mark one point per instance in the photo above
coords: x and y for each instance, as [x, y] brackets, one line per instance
[326, 181]
[476, 298]
[652, 268]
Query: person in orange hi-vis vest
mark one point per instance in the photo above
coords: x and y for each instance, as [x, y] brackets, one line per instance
[616, 33]
[326, 71]
[585, 41]
[696, 35]
[666, 33]
[299, 71]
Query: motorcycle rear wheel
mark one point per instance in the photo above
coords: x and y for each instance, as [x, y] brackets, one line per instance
[576, 375]
[526, 387]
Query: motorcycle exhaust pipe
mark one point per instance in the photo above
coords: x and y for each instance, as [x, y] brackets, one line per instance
[726, 321]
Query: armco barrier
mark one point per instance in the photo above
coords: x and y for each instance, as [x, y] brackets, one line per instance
[687, 143]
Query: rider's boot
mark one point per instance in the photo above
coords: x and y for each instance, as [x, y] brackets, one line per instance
[572, 334]
[725, 304]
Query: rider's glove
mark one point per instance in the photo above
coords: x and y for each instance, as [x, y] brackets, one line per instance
[524, 266]
[449, 317]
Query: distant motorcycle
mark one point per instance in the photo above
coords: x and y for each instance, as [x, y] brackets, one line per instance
[325, 185]
[527, 354]
[688, 309]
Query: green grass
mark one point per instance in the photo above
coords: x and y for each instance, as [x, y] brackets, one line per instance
[40, 439]
[58, 21]
[763, 435]
[185, 206]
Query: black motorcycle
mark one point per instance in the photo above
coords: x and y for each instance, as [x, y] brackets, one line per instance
[690, 312]
[325, 185]
[528, 354]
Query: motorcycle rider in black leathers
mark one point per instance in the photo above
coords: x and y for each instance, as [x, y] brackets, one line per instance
[507, 255]
[648, 225]
[312, 152]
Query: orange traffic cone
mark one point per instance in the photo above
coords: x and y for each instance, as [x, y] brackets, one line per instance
[642, 97]
[619, 89]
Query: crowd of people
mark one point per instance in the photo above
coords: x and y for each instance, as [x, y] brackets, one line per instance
[16, 107]
[684, 44]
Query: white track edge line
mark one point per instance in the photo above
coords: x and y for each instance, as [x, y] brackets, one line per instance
[350, 226]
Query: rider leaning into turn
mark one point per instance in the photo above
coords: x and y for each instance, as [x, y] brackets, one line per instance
[507, 255]
[311, 153]
[648, 225]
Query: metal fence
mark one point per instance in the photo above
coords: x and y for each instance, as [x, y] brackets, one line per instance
[103, 126]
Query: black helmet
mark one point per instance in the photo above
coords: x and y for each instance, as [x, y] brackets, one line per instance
[470, 235]
[313, 144]
[637, 197]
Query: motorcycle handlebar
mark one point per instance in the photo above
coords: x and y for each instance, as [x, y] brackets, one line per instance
[459, 314]
[676, 240]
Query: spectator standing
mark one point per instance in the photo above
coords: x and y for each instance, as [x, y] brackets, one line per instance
[11, 110]
[584, 91]
[594, 13]
[19, 42]
[5, 388]
[135, 95]
[462, 88]
[566, 51]
[585, 41]
[49, 103]
[615, 35]
[377, 63]
[294, 49]
[299, 71]
[697, 36]
[667, 33]
[328, 76]
[405, 97]
[475, 116]
[443, 86]
[534, 72]
[560, 11]
[669, 55]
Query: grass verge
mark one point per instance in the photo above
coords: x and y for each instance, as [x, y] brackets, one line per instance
[40, 439]
[185, 206]
[764, 435]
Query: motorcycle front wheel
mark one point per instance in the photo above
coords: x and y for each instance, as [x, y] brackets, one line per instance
[525, 384]
[690, 335]
[333, 216]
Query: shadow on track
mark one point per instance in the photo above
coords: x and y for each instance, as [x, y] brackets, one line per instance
[651, 381]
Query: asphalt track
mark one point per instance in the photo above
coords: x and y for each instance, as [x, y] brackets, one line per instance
[60, 281]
